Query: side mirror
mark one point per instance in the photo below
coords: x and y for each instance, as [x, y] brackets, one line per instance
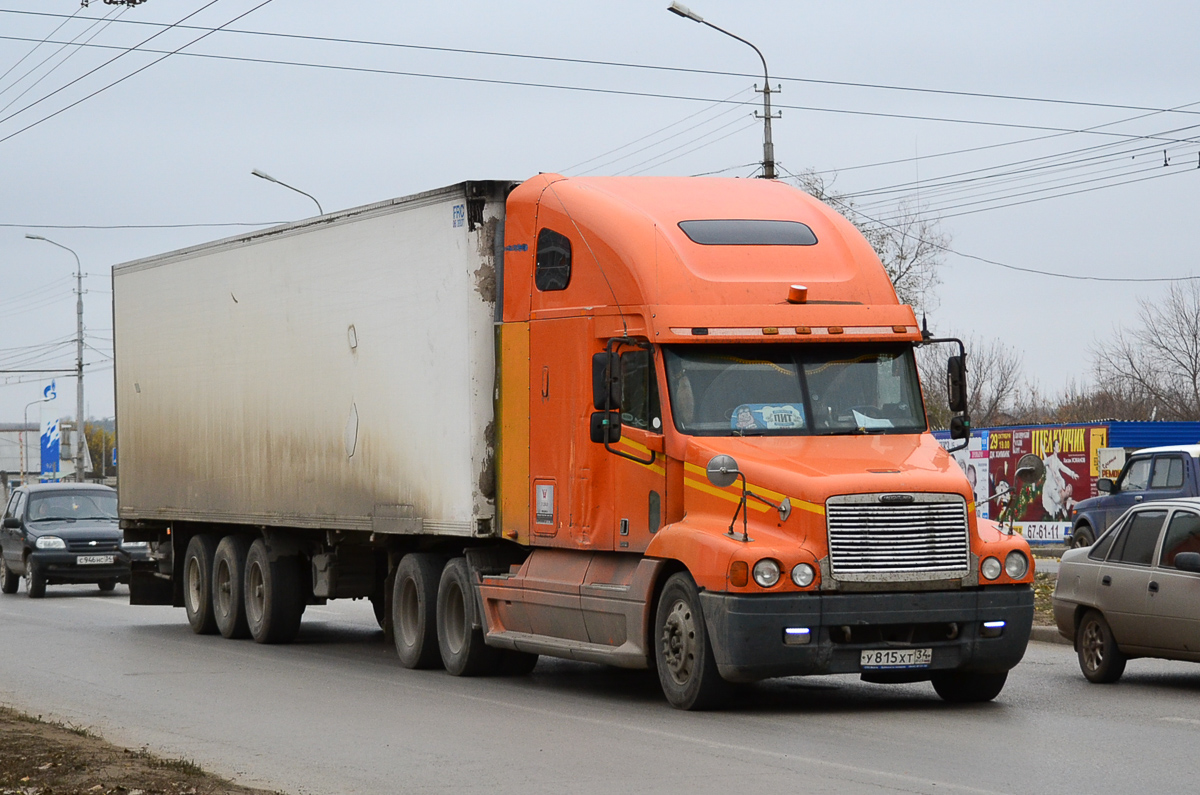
[960, 427]
[956, 383]
[606, 383]
[1105, 486]
[722, 471]
[1188, 561]
[606, 427]
[12, 523]
[1030, 469]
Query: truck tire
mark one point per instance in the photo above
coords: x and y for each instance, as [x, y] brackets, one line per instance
[462, 648]
[1099, 658]
[273, 597]
[35, 580]
[1082, 536]
[9, 582]
[414, 610]
[968, 687]
[687, 669]
[197, 583]
[228, 585]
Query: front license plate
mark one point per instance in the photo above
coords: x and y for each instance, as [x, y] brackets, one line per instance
[95, 560]
[896, 658]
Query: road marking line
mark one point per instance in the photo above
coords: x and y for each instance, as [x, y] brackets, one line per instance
[1192, 721]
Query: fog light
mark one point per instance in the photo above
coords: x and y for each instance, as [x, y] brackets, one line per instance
[766, 572]
[796, 636]
[992, 629]
[1016, 565]
[991, 568]
[803, 575]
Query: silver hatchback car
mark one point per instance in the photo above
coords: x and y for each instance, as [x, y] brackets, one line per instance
[1135, 592]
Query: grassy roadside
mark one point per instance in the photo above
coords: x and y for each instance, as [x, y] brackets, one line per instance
[40, 757]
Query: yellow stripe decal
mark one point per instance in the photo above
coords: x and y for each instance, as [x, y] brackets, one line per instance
[643, 450]
[704, 486]
[708, 488]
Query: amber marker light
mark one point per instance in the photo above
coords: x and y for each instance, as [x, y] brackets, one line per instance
[769, 330]
[797, 294]
[803, 330]
[835, 329]
[739, 573]
[899, 329]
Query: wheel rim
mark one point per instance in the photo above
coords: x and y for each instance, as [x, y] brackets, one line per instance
[223, 593]
[1091, 647]
[456, 620]
[256, 593]
[193, 585]
[679, 642]
[409, 613]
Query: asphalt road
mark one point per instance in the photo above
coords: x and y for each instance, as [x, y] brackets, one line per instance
[335, 713]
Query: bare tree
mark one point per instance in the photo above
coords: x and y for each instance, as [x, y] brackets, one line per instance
[1157, 363]
[911, 246]
[995, 382]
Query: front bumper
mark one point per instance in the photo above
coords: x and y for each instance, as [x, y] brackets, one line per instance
[747, 632]
[60, 566]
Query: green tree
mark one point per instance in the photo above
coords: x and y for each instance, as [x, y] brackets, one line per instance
[100, 445]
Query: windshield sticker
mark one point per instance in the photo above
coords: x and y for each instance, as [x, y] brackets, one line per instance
[767, 416]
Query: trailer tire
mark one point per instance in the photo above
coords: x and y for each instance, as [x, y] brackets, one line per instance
[197, 583]
[228, 586]
[35, 580]
[687, 669]
[968, 687]
[9, 582]
[414, 610]
[273, 598]
[463, 650]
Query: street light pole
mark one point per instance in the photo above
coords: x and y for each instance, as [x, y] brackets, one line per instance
[80, 438]
[24, 430]
[768, 161]
[269, 178]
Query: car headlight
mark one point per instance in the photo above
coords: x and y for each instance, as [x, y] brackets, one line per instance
[766, 572]
[803, 575]
[991, 568]
[50, 542]
[1016, 564]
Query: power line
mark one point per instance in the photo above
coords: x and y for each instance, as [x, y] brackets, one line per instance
[139, 226]
[66, 18]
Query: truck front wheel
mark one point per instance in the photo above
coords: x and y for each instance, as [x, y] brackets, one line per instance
[687, 669]
[462, 648]
[197, 583]
[229, 573]
[414, 610]
[274, 602]
[968, 687]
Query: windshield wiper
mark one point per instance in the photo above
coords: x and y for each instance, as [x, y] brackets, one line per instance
[54, 519]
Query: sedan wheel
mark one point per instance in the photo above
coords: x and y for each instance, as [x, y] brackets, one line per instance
[1099, 658]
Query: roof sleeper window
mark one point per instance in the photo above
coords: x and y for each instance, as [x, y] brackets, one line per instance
[553, 268]
[744, 232]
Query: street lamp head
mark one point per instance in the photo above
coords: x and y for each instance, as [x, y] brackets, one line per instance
[34, 237]
[263, 175]
[685, 12]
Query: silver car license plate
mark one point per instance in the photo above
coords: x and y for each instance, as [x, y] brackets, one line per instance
[95, 560]
[896, 658]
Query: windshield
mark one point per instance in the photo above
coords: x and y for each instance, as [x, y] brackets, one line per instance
[70, 506]
[794, 390]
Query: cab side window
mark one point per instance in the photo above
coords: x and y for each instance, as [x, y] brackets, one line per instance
[639, 392]
[1168, 472]
[1137, 475]
[552, 270]
[1136, 544]
[1183, 535]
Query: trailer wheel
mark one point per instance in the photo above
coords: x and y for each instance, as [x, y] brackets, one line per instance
[968, 687]
[687, 669]
[462, 648]
[35, 580]
[414, 610]
[197, 583]
[228, 584]
[273, 597]
[9, 582]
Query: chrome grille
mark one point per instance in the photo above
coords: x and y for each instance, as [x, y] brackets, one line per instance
[874, 541]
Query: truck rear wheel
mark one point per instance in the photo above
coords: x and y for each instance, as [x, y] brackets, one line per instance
[228, 584]
[414, 610]
[687, 669]
[968, 687]
[461, 644]
[274, 602]
[9, 582]
[197, 583]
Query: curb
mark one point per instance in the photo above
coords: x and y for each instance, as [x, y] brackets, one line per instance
[1048, 635]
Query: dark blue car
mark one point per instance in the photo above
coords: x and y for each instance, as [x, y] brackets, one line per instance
[1156, 473]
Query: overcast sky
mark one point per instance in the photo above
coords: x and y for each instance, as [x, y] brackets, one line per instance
[175, 143]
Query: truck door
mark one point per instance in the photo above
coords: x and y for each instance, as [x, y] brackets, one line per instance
[1132, 486]
[639, 486]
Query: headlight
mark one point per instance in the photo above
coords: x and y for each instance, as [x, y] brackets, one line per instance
[50, 542]
[1016, 564]
[990, 568]
[803, 574]
[766, 572]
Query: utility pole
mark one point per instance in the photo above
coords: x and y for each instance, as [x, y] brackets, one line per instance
[768, 161]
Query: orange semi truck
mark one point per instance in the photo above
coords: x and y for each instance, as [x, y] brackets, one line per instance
[669, 423]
